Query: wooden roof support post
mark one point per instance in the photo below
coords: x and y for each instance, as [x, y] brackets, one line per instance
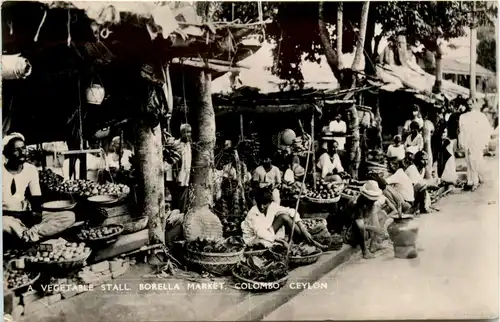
[313, 152]
[151, 198]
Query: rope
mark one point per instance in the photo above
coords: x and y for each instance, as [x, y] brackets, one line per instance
[298, 203]
[40, 26]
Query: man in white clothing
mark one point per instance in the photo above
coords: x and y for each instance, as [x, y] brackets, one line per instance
[339, 129]
[22, 218]
[267, 221]
[474, 134]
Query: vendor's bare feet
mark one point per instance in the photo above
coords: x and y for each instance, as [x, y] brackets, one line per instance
[368, 255]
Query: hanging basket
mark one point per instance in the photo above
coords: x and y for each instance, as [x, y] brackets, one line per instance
[95, 94]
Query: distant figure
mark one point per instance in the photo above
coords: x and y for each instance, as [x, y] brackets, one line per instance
[329, 162]
[339, 129]
[417, 117]
[268, 176]
[415, 139]
[116, 157]
[474, 136]
[396, 150]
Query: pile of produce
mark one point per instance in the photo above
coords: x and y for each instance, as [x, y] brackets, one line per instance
[255, 247]
[87, 188]
[230, 245]
[351, 192]
[249, 151]
[261, 269]
[301, 144]
[325, 190]
[377, 156]
[59, 253]
[99, 232]
[296, 250]
[172, 149]
[14, 278]
[49, 180]
[318, 230]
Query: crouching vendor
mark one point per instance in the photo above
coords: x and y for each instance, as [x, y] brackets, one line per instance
[267, 221]
[22, 219]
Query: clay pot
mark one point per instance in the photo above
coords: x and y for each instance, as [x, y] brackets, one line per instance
[403, 233]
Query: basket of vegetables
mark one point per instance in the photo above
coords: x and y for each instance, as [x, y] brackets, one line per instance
[17, 278]
[259, 274]
[215, 256]
[301, 254]
[101, 235]
[255, 250]
[325, 193]
[65, 256]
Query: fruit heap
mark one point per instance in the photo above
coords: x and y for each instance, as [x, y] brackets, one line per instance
[261, 269]
[99, 232]
[49, 180]
[301, 144]
[15, 277]
[351, 192]
[172, 150]
[60, 253]
[87, 188]
[318, 230]
[325, 190]
[377, 156]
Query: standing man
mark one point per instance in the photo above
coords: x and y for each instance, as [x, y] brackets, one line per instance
[474, 134]
[178, 175]
[338, 128]
[416, 117]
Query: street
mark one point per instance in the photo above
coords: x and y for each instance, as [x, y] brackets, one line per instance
[454, 277]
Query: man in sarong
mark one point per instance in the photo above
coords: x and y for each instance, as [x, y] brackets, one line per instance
[475, 132]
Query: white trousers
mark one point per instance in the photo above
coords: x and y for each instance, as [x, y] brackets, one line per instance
[474, 158]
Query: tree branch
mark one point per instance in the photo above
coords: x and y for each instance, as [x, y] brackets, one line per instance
[331, 56]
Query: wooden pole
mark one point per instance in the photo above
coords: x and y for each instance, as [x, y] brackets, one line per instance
[473, 57]
[242, 133]
[313, 148]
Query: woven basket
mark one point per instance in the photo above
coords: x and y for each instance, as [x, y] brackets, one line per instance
[105, 240]
[323, 201]
[66, 265]
[257, 252]
[261, 286]
[322, 220]
[305, 260]
[202, 223]
[30, 282]
[215, 263]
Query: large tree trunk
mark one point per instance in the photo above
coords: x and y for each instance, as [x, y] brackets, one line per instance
[353, 141]
[439, 69]
[356, 64]
[340, 29]
[151, 197]
[370, 68]
[203, 162]
[331, 56]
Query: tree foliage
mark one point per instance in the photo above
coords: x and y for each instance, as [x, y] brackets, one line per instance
[294, 27]
[486, 49]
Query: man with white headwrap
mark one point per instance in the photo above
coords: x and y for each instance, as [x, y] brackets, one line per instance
[474, 134]
[179, 174]
[116, 157]
[23, 218]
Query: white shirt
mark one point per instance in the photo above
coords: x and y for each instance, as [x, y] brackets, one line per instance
[417, 142]
[258, 227]
[185, 167]
[475, 130]
[403, 184]
[262, 176]
[327, 165]
[339, 127]
[27, 178]
[415, 175]
[396, 151]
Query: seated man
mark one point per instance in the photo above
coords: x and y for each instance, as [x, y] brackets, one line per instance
[329, 162]
[267, 221]
[416, 173]
[399, 187]
[21, 217]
